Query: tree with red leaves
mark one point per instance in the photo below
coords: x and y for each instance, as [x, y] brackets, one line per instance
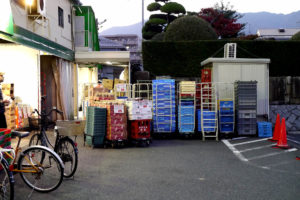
[223, 19]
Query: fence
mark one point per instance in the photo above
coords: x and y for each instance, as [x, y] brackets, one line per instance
[284, 90]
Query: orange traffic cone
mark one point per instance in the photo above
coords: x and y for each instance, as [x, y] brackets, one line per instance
[282, 142]
[276, 130]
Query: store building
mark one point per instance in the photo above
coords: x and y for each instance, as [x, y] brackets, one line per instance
[37, 53]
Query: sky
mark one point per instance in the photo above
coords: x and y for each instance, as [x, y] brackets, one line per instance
[128, 12]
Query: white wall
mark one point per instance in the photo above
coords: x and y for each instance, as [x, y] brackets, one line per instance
[49, 27]
[21, 67]
[230, 72]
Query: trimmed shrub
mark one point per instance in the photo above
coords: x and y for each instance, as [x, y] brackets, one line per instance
[190, 28]
[182, 59]
[159, 37]
[296, 36]
[173, 7]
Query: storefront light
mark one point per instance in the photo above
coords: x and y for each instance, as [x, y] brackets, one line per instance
[29, 2]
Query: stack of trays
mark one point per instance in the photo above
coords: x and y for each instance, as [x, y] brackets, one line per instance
[209, 120]
[226, 119]
[95, 126]
[246, 106]
[186, 109]
[164, 106]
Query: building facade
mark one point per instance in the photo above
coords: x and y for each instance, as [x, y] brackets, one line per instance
[132, 43]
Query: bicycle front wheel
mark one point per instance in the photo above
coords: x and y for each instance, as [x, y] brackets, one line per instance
[41, 168]
[6, 182]
[68, 152]
[35, 140]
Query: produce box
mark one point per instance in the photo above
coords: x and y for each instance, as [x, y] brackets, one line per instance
[108, 83]
[71, 127]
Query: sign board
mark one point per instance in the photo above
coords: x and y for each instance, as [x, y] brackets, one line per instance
[121, 87]
[118, 108]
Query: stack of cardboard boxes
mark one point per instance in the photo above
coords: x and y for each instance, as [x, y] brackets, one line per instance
[139, 109]
[10, 115]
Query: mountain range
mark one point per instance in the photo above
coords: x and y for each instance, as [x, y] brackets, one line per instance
[254, 21]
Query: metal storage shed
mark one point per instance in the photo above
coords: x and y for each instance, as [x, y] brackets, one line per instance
[229, 70]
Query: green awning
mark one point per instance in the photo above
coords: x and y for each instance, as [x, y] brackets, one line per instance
[30, 39]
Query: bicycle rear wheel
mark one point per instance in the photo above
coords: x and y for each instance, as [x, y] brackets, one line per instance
[6, 182]
[44, 168]
[68, 152]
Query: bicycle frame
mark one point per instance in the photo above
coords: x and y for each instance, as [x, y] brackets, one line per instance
[13, 164]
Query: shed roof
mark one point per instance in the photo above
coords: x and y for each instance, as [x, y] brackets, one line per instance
[236, 60]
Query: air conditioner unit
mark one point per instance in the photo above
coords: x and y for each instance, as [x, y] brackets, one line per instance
[230, 50]
[38, 7]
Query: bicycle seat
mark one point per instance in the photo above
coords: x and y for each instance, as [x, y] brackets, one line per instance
[20, 134]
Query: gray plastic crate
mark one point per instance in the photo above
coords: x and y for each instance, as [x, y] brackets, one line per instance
[246, 113]
[246, 129]
[247, 120]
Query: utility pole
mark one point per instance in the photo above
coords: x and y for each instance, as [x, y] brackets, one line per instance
[142, 13]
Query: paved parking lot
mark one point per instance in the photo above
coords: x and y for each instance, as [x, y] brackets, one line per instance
[180, 169]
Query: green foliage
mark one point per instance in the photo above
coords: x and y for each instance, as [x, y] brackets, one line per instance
[172, 11]
[182, 59]
[163, 16]
[153, 7]
[159, 37]
[157, 21]
[173, 7]
[296, 36]
[190, 28]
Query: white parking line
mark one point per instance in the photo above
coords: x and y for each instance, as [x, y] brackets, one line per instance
[235, 151]
[256, 148]
[293, 141]
[238, 138]
[273, 154]
[252, 141]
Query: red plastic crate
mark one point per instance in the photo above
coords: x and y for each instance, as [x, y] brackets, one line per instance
[140, 129]
[206, 75]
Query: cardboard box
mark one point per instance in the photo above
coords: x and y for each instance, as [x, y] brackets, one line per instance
[108, 83]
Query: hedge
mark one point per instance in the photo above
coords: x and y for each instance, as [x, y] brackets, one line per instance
[182, 59]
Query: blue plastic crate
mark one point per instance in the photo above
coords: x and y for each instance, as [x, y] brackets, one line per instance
[226, 119]
[184, 128]
[186, 119]
[226, 127]
[186, 110]
[226, 111]
[264, 129]
[226, 104]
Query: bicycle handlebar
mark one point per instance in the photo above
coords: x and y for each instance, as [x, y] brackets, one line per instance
[46, 115]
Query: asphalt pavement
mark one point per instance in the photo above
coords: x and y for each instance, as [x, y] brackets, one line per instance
[235, 169]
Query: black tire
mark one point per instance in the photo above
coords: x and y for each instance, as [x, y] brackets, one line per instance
[45, 159]
[7, 181]
[68, 152]
[35, 140]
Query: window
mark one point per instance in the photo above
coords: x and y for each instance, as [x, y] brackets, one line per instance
[60, 17]
[69, 19]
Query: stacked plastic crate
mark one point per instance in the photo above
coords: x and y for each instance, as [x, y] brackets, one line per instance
[164, 106]
[226, 116]
[95, 126]
[186, 107]
[245, 106]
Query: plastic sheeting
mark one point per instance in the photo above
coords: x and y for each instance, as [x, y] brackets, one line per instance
[63, 75]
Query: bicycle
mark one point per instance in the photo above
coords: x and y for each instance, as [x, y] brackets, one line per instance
[6, 180]
[64, 146]
[40, 167]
